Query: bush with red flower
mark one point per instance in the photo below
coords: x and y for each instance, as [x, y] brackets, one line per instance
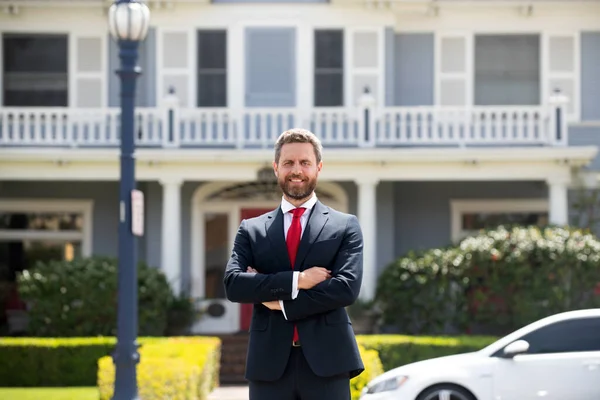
[493, 282]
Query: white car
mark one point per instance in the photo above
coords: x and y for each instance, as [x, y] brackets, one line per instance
[555, 358]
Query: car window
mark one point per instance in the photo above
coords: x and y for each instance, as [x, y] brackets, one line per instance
[576, 335]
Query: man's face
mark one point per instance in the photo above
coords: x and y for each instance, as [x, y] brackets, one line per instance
[297, 171]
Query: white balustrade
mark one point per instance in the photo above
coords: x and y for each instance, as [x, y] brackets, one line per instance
[74, 127]
[172, 126]
[464, 125]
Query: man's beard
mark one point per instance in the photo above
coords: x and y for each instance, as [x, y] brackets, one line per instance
[299, 192]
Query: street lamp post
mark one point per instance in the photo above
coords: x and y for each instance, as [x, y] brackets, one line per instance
[128, 23]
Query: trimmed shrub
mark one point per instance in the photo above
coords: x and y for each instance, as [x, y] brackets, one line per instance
[54, 362]
[174, 369]
[79, 298]
[36, 362]
[397, 350]
[494, 282]
[373, 368]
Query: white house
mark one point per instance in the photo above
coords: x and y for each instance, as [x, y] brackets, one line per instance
[437, 117]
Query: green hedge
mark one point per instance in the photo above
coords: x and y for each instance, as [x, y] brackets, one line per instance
[174, 369]
[74, 361]
[373, 368]
[397, 350]
[53, 362]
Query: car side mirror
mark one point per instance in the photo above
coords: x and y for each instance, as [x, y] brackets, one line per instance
[515, 348]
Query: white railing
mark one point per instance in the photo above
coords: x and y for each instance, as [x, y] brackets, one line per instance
[363, 126]
[462, 126]
[74, 127]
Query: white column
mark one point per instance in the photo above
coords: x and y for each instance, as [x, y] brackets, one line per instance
[236, 62]
[367, 216]
[305, 73]
[171, 232]
[558, 198]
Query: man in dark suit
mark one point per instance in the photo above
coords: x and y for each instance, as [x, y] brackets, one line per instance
[300, 265]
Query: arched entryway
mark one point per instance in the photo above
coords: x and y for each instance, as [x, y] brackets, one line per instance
[217, 209]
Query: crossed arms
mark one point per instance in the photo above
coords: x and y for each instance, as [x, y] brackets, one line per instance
[339, 290]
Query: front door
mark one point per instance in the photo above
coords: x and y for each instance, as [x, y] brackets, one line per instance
[246, 309]
[270, 67]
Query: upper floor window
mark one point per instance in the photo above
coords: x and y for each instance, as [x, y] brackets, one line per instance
[329, 68]
[212, 68]
[507, 70]
[35, 70]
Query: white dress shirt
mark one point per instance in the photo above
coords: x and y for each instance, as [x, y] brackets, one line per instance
[286, 206]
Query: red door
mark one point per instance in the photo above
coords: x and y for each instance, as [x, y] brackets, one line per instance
[246, 309]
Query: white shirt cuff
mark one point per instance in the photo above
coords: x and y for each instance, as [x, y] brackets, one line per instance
[295, 284]
[282, 309]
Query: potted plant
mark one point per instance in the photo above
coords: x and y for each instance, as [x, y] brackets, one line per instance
[181, 315]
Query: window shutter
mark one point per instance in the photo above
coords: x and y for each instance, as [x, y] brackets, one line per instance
[454, 69]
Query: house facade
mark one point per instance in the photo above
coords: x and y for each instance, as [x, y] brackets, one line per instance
[437, 118]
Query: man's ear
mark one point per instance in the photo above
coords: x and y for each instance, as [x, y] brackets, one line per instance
[275, 170]
[320, 166]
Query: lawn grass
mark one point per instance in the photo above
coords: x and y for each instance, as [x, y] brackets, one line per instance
[61, 393]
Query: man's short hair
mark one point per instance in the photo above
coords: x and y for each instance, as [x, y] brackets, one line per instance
[298, 135]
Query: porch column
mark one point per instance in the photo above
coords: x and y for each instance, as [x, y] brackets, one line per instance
[171, 232]
[367, 216]
[558, 199]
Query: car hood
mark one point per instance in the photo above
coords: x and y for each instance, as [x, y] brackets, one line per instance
[429, 365]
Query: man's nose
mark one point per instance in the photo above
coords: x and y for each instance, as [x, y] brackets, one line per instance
[297, 168]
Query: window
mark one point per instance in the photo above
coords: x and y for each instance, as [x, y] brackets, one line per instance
[469, 216]
[212, 68]
[42, 230]
[329, 68]
[576, 335]
[507, 70]
[35, 70]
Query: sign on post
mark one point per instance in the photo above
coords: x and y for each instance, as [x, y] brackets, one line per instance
[137, 212]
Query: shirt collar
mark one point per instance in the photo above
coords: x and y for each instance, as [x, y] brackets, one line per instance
[286, 206]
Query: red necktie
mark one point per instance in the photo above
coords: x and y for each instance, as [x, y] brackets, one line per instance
[293, 241]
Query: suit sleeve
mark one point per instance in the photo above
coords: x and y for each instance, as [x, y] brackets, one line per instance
[245, 287]
[342, 289]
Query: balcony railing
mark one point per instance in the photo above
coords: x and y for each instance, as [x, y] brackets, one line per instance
[362, 126]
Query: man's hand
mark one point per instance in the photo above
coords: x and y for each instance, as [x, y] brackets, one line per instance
[272, 305]
[312, 276]
[250, 269]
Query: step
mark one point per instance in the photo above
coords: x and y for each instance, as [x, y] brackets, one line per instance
[237, 342]
[232, 379]
[228, 348]
[233, 369]
[233, 359]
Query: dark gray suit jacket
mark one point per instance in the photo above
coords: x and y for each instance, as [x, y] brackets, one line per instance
[332, 240]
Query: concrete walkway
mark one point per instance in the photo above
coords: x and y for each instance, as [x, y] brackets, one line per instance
[229, 393]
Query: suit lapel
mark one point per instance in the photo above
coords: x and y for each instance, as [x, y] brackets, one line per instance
[316, 221]
[274, 227]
